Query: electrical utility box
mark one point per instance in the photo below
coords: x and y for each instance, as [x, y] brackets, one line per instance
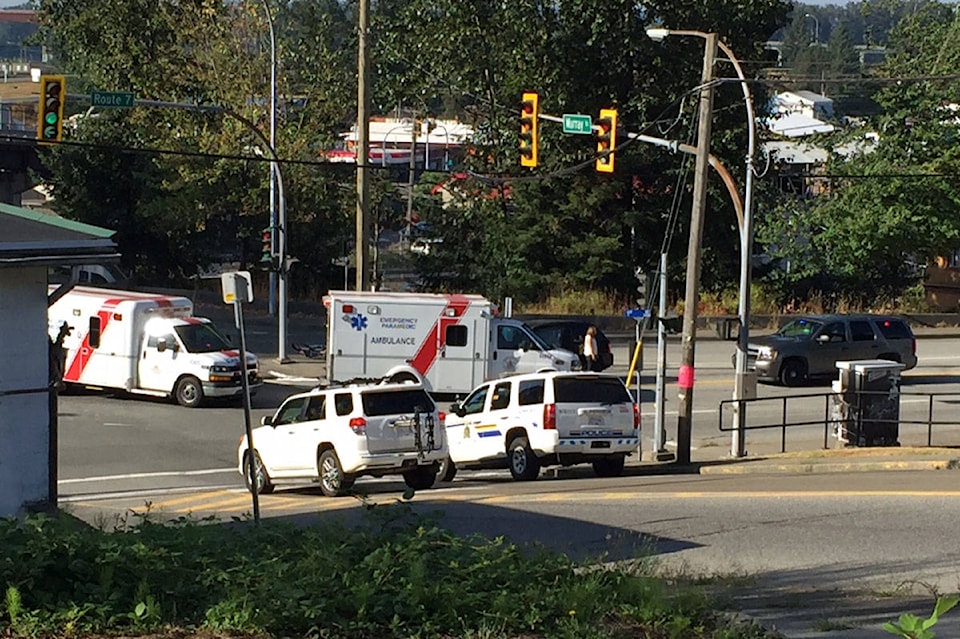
[866, 402]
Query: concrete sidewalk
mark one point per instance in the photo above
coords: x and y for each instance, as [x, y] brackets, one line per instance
[838, 460]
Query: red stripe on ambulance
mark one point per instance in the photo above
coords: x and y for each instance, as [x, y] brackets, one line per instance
[82, 357]
[436, 339]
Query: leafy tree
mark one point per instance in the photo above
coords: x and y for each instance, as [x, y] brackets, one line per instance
[841, 56]
[561, 226]
[208, 194]
[894, 202]
[566, 227]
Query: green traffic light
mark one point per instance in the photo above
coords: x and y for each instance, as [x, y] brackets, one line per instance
[51, 118]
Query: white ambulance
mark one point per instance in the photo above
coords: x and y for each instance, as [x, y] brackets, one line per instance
[449, 342]
[146, 343]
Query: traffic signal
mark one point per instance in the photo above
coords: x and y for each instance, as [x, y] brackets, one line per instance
[266, 245]
[641, 287]
[53, 92]
[529, 143]
[606, 140]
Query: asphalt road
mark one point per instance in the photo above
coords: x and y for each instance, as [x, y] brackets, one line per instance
[794, 536]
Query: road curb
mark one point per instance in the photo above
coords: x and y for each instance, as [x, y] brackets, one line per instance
[798, 467]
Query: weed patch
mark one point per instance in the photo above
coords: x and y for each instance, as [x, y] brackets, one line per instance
[398, 575]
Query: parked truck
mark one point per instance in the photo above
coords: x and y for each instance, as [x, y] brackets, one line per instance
[448, 342]
[148, 344]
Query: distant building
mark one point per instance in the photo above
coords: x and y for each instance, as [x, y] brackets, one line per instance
[800, 113]
[435, 143]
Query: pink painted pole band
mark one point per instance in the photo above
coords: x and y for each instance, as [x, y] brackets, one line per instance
[685, 378]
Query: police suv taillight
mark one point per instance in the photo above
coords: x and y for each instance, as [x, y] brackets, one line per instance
[549, 417]
[636, 416]
[358, 425]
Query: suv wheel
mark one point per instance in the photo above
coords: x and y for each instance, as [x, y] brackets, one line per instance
[333, 481]
[609, 466]
[524, 465]
[448, 470]
[793, 372]
[421, 477]
[261, 483]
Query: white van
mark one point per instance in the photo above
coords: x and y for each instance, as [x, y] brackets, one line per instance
[448, 342]
[148, 344]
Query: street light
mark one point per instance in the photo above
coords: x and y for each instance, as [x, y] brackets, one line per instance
[430, 126]
[744, 384]
[383, 142]
[685, 376]
[446, 144]
[278, 209]
[272, 305]
[816, 25]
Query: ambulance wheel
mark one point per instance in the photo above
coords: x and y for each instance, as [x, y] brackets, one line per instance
[262, 484]
[609, 466]
[524, 465]
[333, 481]
[188, 391]
[448, 470]
[421, 477]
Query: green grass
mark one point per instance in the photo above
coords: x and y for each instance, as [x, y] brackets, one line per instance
[395, 576]
[763, 301]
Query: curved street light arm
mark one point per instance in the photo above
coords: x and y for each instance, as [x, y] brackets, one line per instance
[282, 206]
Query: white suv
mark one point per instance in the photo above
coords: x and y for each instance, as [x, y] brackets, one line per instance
[335, 434]
[524, 422]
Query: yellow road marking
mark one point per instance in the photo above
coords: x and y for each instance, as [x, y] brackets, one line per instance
[241, 505]
[188, 498]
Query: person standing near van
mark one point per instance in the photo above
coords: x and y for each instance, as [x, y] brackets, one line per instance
[590, 348]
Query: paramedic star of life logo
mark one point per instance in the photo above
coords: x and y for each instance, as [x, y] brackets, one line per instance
[357, 321]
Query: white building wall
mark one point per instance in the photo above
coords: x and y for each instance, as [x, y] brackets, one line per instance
[24, 417]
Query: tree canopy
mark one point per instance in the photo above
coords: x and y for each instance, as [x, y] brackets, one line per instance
[188, 186]
[890, 197]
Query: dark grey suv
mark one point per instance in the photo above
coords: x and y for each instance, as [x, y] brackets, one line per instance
[810, 346]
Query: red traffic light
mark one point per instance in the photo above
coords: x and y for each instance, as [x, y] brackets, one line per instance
[529, 135]
[606, 140]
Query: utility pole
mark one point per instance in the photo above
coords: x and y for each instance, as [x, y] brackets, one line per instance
[363, 149]
[692, 295]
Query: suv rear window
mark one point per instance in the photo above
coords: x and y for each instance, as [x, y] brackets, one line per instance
[588, 390]
[402, 402]
[894, 329]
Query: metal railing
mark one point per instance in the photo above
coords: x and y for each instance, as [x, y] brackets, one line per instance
[855, 421]
[783, 424]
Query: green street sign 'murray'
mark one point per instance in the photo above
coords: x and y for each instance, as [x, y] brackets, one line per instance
[577, 123]
[122, 100]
